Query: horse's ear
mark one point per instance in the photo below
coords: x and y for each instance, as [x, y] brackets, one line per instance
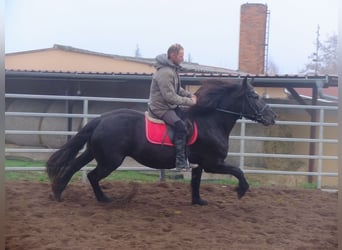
[244, 87]
[245, 83]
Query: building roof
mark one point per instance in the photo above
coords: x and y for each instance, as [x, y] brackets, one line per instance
[187, 66]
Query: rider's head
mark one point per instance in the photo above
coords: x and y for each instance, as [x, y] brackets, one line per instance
[176, 53]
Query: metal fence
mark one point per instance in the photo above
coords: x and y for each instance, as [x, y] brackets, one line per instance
[320, 141]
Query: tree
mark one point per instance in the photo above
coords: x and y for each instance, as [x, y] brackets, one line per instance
[324, 60]
[137, 51]
[272, 68]
[189, 58]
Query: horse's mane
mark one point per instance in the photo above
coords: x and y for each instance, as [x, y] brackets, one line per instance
[212, 91]
[210, 94]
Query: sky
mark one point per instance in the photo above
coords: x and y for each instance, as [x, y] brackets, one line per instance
[208, 30]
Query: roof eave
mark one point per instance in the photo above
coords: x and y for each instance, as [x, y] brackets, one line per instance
[257, 81]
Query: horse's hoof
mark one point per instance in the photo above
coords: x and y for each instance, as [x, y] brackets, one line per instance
[57, 190]
[241, 191]
[58, 198]
[105, 199]
[55, 197]
[56, 194]
[200, 202]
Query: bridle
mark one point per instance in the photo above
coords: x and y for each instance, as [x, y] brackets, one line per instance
[257, 116]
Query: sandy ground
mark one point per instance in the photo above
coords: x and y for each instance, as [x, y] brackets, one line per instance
[159, 216]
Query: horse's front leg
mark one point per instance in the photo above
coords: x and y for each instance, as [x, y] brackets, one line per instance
[196, 174]
[224, 168]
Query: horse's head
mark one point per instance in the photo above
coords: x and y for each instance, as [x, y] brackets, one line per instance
[253, 107]
[240, 100]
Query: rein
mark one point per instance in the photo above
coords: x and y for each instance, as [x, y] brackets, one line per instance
[230, 112]
[256, 116]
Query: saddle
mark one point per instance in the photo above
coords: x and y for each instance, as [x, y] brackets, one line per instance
[158, 132]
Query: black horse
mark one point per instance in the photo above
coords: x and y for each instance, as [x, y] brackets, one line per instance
[120, 133]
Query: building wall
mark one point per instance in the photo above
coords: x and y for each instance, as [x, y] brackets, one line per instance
[69, 61]
[275, 93]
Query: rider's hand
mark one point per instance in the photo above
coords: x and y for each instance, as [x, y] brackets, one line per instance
[194, 99]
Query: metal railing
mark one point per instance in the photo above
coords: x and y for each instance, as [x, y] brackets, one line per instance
[320, 140]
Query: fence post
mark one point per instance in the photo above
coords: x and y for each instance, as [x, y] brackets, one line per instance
[162, 175]
[242, 143]
[320, 148]
[85, 121]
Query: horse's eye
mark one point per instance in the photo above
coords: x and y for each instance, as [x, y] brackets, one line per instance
[253, 95]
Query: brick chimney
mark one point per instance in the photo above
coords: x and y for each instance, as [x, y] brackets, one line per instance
[253, 19]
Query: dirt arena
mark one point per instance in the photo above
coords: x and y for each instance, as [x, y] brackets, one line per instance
[159, 216]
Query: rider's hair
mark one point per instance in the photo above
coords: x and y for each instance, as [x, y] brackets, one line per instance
[174, 48]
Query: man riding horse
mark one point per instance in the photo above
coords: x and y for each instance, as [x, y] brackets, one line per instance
[167, 94]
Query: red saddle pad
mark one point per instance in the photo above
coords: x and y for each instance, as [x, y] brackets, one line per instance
[156, 133]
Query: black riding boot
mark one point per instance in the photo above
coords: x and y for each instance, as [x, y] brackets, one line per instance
[180, 145]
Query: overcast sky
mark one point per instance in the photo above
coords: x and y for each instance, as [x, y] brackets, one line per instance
[208, 30]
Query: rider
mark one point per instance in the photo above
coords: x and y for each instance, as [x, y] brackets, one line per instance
[166, 95]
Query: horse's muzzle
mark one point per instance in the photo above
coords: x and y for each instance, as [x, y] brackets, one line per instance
[267, 117]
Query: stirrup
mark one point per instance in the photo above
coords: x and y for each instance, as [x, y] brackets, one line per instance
[184, 168]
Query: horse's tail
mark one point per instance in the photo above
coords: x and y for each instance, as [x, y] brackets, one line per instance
[59, 161]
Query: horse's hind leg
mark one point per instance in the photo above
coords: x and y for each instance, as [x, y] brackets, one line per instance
[100, 172]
